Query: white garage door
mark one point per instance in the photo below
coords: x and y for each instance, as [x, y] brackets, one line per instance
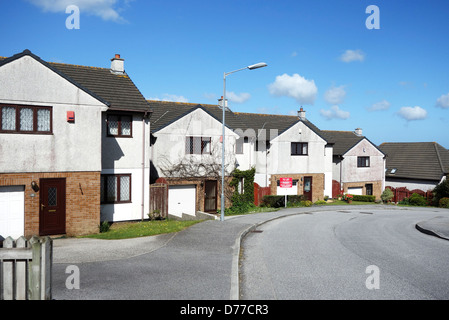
[356, 191]
[181, 199]
[12, 212]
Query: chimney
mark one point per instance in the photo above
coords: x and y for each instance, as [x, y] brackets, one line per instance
[302, 114]
[358, 132]
[117, 65]
[220, 102]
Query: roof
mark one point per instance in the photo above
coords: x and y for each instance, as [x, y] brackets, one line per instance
[416, 160]
[166, 112]
[117, 91]
[343, 140]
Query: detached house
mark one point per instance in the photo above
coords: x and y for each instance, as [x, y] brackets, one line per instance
[415, 165]
[74, 147]
[289, 147]
[358, 166]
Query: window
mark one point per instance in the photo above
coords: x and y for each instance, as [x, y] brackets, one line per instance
[25, 119]
[239, 145]
[299, 149]
[198, 145]
[362, 162]
[115, 188]
[119, 125]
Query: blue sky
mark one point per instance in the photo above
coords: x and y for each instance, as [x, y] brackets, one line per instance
[393, 82]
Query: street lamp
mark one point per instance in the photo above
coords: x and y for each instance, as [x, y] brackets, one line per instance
[251, 67]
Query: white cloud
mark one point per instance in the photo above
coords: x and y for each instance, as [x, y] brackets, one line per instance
[335, 113]
[352, 55]
[302, 90]
[237, 98]
[380, 106]
[335, 95]
[412, 113]
[443, 101]
[105, 9]
[171, 97]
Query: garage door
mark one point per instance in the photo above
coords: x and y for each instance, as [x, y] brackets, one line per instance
[356, 191]
[181, 199]
[12, 211]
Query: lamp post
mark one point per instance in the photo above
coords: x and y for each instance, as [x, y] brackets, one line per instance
[251, 67]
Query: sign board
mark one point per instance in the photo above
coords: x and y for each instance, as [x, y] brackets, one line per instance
[286, 182]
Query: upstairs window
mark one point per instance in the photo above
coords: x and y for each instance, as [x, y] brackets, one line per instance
[198, 145]
[25, 119]
[362, 162]
[119, 125]
[299, 149]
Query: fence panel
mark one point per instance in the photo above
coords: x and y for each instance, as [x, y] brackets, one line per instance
[25, 269]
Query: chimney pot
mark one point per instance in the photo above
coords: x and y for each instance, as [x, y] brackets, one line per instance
[302, 114]
[117, 65]
[358, 132]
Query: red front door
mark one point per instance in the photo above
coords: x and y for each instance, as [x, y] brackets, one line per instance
[52, 206]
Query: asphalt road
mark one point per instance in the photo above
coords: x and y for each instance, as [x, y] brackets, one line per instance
[355, 255]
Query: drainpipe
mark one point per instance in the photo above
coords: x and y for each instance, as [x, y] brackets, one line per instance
[143, 164]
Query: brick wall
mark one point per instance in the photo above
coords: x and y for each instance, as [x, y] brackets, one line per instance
[317, 184]
[82, 200]
[377, 187]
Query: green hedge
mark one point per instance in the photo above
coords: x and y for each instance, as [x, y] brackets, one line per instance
[279, 201]
[364, 198]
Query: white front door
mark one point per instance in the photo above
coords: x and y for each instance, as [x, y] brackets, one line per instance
[182, 199]
[12, 212]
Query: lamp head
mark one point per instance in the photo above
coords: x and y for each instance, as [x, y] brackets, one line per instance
[257, 66]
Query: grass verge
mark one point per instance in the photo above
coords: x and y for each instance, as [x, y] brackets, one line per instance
[126, 230]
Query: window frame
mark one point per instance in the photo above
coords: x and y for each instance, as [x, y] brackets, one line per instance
[191, 149]
[301, 144]
[35, 110]
[118, 188]
[119, 127]
[363, 164]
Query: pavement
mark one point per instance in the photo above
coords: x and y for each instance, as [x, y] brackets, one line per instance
[201, 262]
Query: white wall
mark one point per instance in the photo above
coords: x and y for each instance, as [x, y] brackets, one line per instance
[318, 160]
[72, 146]
[350, 171]
[122, 155]
[169, 148]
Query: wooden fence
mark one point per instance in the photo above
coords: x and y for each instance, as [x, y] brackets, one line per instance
[259, 193]
[159, 198]
[25, 269]
[401, 193]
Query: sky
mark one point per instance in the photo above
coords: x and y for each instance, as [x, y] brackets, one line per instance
[379, 65]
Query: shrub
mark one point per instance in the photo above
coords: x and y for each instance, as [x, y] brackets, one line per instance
[441, 191]
[417, 200]
[273, 201]
[364, 198]
[387, 195]
[319, 202]
[404, 201]
[444, 202]
[104, 226]
[279, 201]
[155, 215]
[306, 203]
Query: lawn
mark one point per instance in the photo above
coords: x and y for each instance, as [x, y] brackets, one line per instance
[126, 230]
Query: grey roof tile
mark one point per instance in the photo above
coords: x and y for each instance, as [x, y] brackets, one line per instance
[416, 160]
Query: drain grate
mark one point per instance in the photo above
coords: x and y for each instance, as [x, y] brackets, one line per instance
[365, 212]
[257, 231]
